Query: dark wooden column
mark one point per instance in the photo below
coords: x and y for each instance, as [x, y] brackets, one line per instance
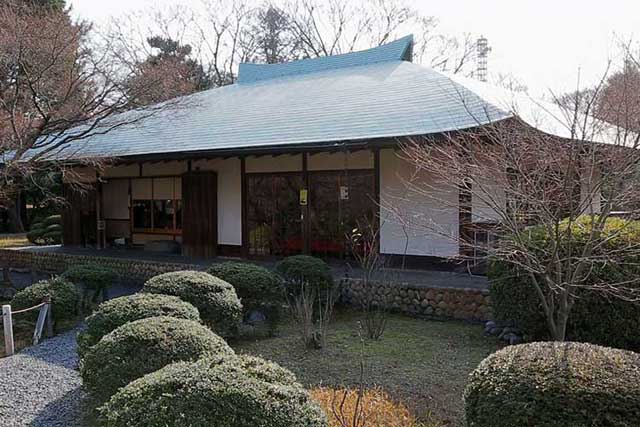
[200, 214]
[305, 208]
[465, 231]
[243, 207]
[376, 191]
[100, 224]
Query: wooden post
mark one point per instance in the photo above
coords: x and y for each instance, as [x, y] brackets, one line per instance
[305, 209]
[7, 324]
[49, 320]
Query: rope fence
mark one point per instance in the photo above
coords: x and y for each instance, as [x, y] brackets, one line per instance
[44, 318]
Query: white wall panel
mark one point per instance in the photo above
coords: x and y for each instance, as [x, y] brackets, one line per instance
[176, 167]
[362, 159]
[122, 171]
[115, 198]
[285, 163]
[420, 224]
[229, 198]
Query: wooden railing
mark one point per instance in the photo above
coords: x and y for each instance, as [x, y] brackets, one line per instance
[44, 318]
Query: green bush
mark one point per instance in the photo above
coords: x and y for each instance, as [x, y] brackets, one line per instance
[116, 312]
[257, 287]
[594, 318]
[299, 269]
[92, 276]
[215, 299]
[143, 346]
[556, 385]
[240, 392]
[46, 232]
[64, 298]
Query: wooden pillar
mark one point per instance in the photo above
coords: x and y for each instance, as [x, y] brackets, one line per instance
[465, 219]
[305, 208]
[99, 217]
[376, 192]
[243, 207]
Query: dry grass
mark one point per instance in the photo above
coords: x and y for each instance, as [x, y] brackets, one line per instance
[375, 408]
[13, 240]
[424, 364]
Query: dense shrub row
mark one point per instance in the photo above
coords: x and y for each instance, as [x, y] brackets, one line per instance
[215, 299]
[258, 288]
[46, 232]
[147, 366]
[118, 311]
[305, 270]
[594, 318]
[143, 346]
[65, 298]
[556, 385]
[239, 391]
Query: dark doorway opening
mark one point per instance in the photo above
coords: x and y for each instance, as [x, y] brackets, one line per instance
[337, 201]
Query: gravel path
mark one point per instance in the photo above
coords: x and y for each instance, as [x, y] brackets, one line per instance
[40, 386]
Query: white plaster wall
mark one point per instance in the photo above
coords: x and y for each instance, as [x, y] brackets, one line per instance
[590, 194]
[488, 195]
[362, 159]
[177, 167]
[121, 171]
[83, 174]
[115, 198]
[424, 224]
[229, 197]
[285, 163]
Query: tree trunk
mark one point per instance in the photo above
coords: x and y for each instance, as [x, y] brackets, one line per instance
[15, 217]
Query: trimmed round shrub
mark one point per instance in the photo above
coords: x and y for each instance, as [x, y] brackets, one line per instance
[258, 288]
[116, 312]
[240, 391]
[64, 298]
[215, 299]
[143, 346]
[91, 276]
[555, 384]
[595, 317]
[304, 269]
[47, 231]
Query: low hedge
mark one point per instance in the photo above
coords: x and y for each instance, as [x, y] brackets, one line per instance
[240, 391]
[215, 299]
[258, 288]
[143, 346]
[304, 269]
[64, 298]
[594, 318]
[555, 384]
[47, 231]
[116, 312]
[92, 276]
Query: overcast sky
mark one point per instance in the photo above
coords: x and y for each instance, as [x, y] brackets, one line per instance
[544, 43]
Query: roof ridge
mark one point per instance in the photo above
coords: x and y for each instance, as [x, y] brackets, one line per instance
[397, 50]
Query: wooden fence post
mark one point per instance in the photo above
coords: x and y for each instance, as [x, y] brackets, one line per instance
[8, 330]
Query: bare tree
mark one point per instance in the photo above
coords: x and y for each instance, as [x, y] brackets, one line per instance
[224, 33]
[520, 181]
[366, 252]
[56, 90]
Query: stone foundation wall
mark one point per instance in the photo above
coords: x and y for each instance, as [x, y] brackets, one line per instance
[416, 300]
[422, 300]
[131, 271]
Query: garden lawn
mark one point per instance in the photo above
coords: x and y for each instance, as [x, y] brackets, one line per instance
[13, 240]
[425, 364]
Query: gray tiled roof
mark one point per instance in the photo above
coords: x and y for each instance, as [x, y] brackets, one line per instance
[359, 96]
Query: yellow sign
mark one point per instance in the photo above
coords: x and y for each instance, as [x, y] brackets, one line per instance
[303, 197]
